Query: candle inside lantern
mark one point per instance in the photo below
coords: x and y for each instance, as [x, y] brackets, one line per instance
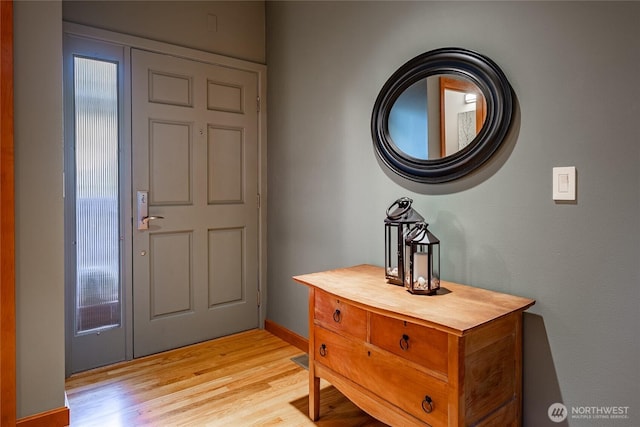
[421, 268]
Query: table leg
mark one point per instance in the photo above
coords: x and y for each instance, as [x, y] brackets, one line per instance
[314, 396]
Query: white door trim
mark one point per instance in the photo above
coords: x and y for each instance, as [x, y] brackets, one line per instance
[129, 41]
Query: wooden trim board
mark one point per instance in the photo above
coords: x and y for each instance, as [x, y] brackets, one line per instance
[7, 221]
[58, 417]
[287, 335]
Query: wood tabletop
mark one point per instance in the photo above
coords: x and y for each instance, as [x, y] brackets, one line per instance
[456, 308]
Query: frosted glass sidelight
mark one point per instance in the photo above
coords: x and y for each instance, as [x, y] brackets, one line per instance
[98, 302]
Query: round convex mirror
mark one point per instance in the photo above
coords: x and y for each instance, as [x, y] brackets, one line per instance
[441, 115]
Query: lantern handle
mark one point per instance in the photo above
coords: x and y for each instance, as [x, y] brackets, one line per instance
[403, 204]
[417, 232]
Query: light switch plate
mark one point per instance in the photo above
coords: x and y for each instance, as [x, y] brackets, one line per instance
[564, 183]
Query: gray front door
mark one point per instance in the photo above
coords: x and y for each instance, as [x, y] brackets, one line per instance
[195, 165]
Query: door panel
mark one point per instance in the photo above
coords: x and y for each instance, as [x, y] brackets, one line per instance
[170, 147]
[195, 149]
[226, 269]
[225, 158]
[170, 89]
[171, 287]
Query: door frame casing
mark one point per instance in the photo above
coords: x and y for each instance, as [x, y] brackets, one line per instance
[8, 409]
[129, 42]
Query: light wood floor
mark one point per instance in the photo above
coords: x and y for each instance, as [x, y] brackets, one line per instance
[246, 379]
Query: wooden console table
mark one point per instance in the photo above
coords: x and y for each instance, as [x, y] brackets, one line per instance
[452, 359]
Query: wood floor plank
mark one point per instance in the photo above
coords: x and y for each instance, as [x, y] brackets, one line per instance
[247, 379]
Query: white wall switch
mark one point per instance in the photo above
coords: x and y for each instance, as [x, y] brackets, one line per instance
[564, 183]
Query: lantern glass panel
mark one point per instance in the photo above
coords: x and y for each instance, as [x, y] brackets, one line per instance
[435, 279]
[421, 270]
[408, 249]
[392, 269]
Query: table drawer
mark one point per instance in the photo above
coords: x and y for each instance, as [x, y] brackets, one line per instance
[336, 315]
[425, 346]
[385, 375]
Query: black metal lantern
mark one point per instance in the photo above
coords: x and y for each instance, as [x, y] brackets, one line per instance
[422, 261]
[400, 218]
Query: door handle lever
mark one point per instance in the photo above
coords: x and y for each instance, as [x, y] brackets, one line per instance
[146, 219]
[143, 211]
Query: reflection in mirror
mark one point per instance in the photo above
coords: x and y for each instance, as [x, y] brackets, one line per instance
[463, 111]
[409, 121]
[436, 116]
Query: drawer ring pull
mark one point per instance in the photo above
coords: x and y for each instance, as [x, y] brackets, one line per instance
[323, 350]
[427, 404]
[337, 316]
[404, 342]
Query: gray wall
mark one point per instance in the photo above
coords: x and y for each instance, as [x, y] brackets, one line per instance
[573, 67]
[230, 28]
[39, 214]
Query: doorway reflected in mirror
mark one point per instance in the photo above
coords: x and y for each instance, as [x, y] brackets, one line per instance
[436, 116]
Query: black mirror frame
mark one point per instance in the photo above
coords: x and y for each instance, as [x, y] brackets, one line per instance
[479, 69]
